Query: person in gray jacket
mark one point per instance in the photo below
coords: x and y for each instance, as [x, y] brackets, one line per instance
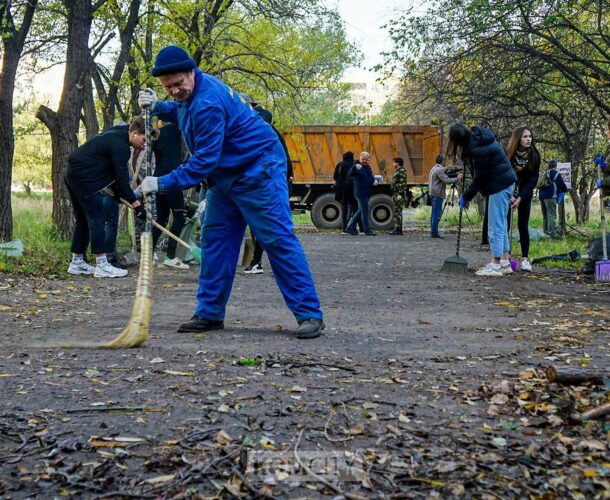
[437, 183]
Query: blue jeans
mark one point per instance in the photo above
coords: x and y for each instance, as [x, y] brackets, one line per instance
[89, 222]
[435, 216]
[361, 214]
[258, 197]
[498, 225]
[111, 225]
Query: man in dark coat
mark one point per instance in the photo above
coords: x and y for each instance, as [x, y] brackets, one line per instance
[363, 184]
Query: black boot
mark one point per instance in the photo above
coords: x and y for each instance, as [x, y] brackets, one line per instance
[309, 328]
[200, 325]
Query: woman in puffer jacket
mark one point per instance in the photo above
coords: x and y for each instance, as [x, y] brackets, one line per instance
[493, 176]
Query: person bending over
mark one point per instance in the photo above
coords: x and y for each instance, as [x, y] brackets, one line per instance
[493, 176]
[97, 168]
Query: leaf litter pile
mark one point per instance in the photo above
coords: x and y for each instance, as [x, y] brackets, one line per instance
[322, 419]
[195, 426]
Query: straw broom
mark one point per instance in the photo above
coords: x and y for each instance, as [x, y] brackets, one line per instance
[135, 333]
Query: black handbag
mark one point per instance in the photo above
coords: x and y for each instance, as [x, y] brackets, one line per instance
[428, 200]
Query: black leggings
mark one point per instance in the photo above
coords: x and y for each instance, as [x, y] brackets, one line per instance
[523, 220]
[172, 201]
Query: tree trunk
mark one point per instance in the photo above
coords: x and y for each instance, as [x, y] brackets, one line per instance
[89, 114]
[7, 141]
[13, 41]
[63, 125]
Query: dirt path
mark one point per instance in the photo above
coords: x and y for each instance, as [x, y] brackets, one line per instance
[404, 393]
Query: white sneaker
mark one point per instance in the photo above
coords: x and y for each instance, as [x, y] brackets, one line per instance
[506, 268]
[109, 271]
[255, 269]
[490, 270]
[176, 263]
[526, 265]
[82, 268]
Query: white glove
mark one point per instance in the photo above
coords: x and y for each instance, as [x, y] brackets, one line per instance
[146, 98]
[150, 185]
[358, 166]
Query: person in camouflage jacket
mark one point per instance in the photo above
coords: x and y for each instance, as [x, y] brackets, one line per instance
[400, 194]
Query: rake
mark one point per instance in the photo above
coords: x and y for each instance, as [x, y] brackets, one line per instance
[456, 264]
[135, 333]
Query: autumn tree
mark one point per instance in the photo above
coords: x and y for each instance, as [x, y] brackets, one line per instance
[503, 64]
[15, 21]
[32, 158]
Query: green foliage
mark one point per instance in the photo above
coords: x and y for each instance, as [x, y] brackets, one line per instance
[327, 106]
[282, 54]
[504, 64]
[32, 158]
[45, 253]
[249, 361]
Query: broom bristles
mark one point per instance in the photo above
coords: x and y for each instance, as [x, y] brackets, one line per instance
[135, 333]
[455, 265]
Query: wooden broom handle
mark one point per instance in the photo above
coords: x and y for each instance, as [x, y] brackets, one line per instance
[161, 228]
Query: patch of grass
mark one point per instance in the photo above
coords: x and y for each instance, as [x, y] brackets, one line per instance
[302, 218]
[249, 361]
[45, 252]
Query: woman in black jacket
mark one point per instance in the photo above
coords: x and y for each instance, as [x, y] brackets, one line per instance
[344, 189]
[525, 160]
[492, 176]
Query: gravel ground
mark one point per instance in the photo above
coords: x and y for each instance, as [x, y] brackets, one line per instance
[422, 385]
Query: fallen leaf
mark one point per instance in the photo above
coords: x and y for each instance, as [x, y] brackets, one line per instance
[499, 442]
[183, 374]
[223, 438]
[499, 399]
[357, 429]
[160, 479]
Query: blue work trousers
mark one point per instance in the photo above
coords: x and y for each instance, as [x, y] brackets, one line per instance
[437, 212]
[257, 197]
[499, 205]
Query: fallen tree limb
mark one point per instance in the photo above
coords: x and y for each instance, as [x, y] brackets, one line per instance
[572, 375]
[596, 413]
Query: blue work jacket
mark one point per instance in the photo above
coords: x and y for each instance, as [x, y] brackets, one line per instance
[222, 132]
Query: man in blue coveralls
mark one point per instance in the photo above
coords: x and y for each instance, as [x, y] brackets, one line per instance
[242, 160]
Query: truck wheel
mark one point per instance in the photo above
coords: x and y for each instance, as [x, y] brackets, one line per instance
[381, 212]
[326, 212]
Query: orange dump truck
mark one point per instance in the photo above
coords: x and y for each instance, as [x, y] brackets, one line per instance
[315, 150]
